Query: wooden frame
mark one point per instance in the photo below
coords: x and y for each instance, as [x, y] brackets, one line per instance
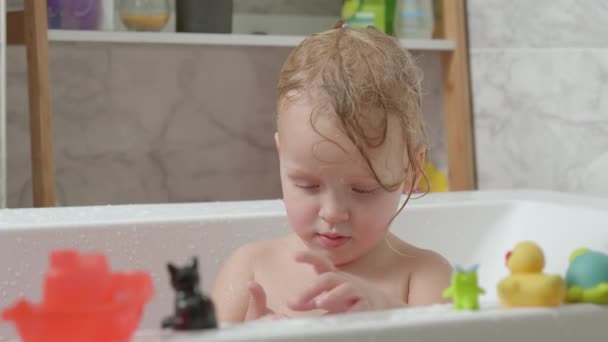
[3, 139]
[30, 28]
[457, 98]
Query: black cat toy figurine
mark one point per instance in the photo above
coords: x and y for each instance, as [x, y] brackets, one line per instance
[193, 310]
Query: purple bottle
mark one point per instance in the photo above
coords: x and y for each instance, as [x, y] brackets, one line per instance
[80, 14]
[53, 8]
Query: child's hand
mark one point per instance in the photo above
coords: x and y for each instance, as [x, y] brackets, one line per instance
[336, 292]
[257, 308]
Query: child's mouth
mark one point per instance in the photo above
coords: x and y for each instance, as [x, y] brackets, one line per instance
[332, 241]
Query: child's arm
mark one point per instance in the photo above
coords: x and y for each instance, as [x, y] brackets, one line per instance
[431, 276]
[230, 292]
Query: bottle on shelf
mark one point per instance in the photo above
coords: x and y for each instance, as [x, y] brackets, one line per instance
[144, 15]
[207, 16]
[363, 13]
[414, 19]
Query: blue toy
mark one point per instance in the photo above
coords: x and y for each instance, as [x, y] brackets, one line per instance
[587, 277]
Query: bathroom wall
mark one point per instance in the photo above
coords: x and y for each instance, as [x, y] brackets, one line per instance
[153, 123]
[540, 90]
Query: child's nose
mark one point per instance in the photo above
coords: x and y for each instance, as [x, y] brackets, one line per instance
[334, 210]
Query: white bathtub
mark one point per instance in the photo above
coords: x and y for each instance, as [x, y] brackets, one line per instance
[467, 228]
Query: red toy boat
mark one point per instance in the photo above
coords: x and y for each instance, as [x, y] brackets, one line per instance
[83, 302]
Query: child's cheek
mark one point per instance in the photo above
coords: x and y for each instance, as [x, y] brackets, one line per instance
[377, 214]
[301, 213]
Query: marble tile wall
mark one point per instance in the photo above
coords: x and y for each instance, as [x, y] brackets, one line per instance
[540, 92]
[162, 123]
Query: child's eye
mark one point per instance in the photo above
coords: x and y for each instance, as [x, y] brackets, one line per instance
[361, 190]
[308, 186]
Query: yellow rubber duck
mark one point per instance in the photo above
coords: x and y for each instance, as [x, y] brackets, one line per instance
[527, 285]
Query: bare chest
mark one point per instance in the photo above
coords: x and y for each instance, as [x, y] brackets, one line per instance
[284, 282]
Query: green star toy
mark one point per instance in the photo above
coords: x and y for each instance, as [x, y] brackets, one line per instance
[464, 289]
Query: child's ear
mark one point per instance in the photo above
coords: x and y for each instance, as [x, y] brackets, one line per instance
[276, 141]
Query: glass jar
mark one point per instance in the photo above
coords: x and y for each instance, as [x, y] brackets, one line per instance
[144, 15]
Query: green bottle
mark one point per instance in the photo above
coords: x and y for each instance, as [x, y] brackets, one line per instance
[390, 15]
[363, 13]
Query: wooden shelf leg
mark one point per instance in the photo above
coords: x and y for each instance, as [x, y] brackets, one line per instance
[41, 133]
[457, 99]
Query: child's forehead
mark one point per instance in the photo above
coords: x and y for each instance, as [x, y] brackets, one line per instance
[317, 121]
[314, 140]
[320, 139]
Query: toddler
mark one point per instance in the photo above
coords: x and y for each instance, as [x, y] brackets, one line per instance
[350, 141]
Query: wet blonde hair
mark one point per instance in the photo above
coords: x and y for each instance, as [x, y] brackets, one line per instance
[367, 77]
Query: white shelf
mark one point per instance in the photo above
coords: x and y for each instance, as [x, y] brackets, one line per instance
[213, 39]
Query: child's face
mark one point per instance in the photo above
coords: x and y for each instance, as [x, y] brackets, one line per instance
[334, 203]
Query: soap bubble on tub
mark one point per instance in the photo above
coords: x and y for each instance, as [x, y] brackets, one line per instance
[84, 240]
[25, 269]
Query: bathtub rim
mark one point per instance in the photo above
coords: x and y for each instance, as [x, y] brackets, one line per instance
[165, 213]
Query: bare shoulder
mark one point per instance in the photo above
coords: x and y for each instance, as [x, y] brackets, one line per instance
[230, 291]
[429, 276]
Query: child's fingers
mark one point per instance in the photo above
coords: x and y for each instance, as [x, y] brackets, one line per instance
[341, 299]
[324, 283]
[257, 302]
[321, 263]
[359, 306]
[257, 292]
